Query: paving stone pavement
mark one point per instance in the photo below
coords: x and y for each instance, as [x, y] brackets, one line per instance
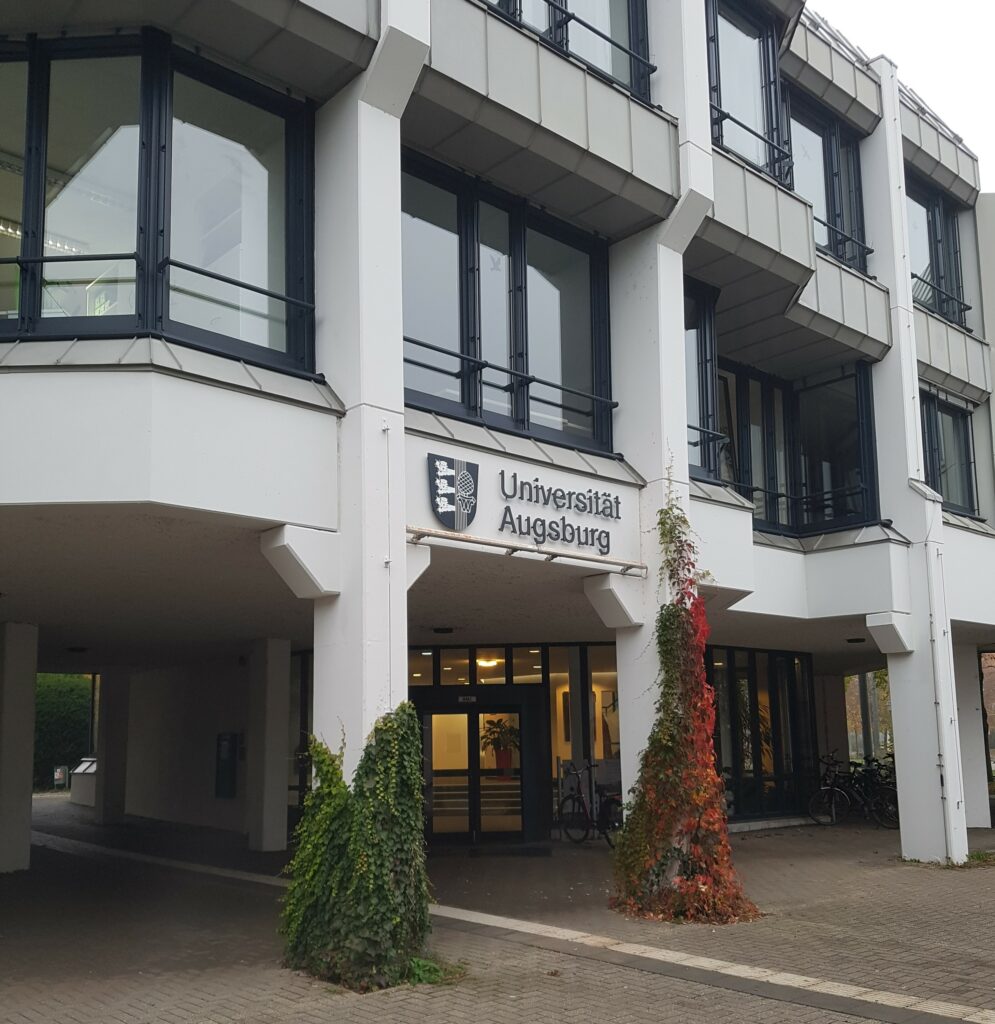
[87, 941]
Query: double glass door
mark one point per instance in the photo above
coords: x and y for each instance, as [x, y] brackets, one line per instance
[473, 774]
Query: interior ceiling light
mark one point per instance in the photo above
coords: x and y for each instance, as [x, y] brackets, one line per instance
[536, 651]
[487, 662]
[426, 654]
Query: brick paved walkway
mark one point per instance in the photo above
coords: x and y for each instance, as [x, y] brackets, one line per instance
[115, 942]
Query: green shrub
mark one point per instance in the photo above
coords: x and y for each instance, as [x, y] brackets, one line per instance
[356, 911]
[62, 724]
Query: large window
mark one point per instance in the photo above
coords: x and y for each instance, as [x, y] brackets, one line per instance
[145, 190]
[747, 112]
[609, 36]
[826, 172]
[934, 252]
[949, 450]
[505, 311]
[802, 453]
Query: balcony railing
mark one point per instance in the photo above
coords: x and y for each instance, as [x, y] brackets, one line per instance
[938, 300]
[848, 249]
[587, 418]
[778, 163]
[556, 33]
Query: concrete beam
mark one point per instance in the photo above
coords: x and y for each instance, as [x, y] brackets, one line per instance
[891, 631]
[618, 600]
[308, 561]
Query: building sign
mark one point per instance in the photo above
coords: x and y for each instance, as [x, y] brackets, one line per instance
[452, 484]
[509, 499]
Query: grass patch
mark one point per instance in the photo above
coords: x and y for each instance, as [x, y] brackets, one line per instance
[979, 857]
[431, 971]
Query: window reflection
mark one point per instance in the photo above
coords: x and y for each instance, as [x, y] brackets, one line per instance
[454, 666]
[741, 77]
[491, 666]
[13, 104]
[559, 326]
[809, 155]
[495, 306]
[91, 186]
[227, 214]
[956, 478]
[430, 295]
[420, 667]
[526, 665]
[692, 341]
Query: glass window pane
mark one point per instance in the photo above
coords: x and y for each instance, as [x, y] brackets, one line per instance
[430, 284]
[758, 449]
[692, 340]
[565, 718]
[91, 185]
[227, 214]
[920, 253]
[535, 14]
[605, 747]
[419, 667]
[560, 345]
[720, 681]
[809, 155]
[829, 440]
[610, 17]
[955, 458]
[447, 753]
[495, 306]
[455, 666]
[744, 711]
[741, 83]
[729, 428]
[526, 665]
[500, 775]
[780, 457]
[13, 111]
[491, 666]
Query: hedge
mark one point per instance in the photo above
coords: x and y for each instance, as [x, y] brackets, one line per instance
[62, 724]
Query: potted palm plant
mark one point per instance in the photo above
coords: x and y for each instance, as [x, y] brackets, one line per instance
[503, 738]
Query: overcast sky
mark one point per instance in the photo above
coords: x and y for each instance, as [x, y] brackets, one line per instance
[944, 51]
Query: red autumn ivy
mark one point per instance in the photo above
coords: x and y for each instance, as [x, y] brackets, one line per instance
[673, 860]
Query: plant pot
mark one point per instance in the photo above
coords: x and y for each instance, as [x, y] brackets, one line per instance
[503, 759]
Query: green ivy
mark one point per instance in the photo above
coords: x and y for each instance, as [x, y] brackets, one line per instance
[356, 910]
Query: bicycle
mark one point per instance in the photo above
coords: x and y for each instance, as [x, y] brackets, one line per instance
[576, 820]
[863, 786]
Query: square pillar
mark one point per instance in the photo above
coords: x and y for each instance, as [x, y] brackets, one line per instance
[113, 714]
[268, 744]
[973, 750]
[18, 669]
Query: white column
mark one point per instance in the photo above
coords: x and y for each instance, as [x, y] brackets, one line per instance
[973, 753]
[113, 713]
[360, 637]
[18, 667]
[920, 668]
[268, 744]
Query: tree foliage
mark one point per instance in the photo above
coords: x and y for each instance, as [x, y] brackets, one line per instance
[62, 724]
[673, 860]
[356, 910]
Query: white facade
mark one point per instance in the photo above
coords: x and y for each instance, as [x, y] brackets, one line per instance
[187, 523]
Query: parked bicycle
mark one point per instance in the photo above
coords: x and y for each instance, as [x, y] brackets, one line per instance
[577, 821]
[867, 786]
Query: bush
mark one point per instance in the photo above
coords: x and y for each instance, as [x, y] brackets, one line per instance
[356, 911]
[62, 724]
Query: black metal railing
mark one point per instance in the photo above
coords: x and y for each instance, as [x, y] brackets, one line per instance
[593, 412]
[557, 35]
[938, 300]
[779, 161]
[843, 246]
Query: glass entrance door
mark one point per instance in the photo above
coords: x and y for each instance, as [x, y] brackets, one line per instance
[473, 774]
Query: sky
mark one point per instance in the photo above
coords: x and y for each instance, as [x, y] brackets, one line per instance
[944, 52]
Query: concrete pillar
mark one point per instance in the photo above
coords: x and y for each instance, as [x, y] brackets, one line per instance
[18, 668]
[973, 750]
[360, 637]
[268, 744]
[113, 713]
[920, 662]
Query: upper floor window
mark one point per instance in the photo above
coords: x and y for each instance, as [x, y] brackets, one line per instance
[934, 252]
[801, 453]
[609, 36]
[747, 113]
[948, 444]
[147, 190]
[505, 311]
[826, 172]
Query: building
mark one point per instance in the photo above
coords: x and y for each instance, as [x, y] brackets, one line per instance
[349, 350]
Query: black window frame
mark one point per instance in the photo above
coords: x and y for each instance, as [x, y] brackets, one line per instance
[774, 490]
[470, 192]
[160, 57]
[844, 191]
[557, 37]
[776, 134]
[944, 295]
[931, 403]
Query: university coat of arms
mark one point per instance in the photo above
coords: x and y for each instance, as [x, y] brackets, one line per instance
[452, 489]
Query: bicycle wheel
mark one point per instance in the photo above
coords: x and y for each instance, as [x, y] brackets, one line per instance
[828, 806]
[610, 818]
[884, 806]
[575, 823]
